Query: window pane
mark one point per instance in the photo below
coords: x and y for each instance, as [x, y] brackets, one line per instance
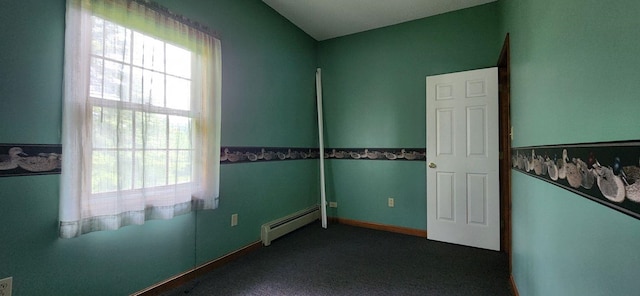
[148, 52]
[147, 87]
[97, 35]
[179, 132]
[153, 88]
[125, 130]
[125, 170]
[138, 173]
[116, 81]
[139, 130]
[178, 61]
[112, 128]
[117, 42]
[179, 167]
[154, 94]
[136, 85]
[155, 131]
[104, 173]
[185, 159]
[105, 128]
[178, 93]
[171, 171]
[138, 49]
[95, 87]
[155, 168]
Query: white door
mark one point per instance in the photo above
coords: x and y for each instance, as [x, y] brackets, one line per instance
[463, 203]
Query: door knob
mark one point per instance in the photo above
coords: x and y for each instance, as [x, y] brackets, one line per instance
[432, 165]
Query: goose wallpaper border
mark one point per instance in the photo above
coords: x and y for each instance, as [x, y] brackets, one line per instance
[607, 172]
[45, 159]
[258, 154]
[30, 159]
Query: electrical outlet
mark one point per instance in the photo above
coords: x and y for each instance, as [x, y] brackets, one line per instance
[333, 204]
[234, 219]
[391, 202]
[5, 286]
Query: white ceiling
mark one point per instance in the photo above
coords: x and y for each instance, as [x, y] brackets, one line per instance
[325, 19]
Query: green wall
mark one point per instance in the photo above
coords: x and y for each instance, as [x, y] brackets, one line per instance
[268, 100]
[574, 79]
[574, 75]
[374, 97]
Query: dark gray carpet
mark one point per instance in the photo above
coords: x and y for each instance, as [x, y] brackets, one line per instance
[346, 260]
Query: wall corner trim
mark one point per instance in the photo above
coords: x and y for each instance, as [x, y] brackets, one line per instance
[383, 227]
[514, 287]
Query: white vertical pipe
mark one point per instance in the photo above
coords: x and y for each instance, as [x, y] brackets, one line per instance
[323, 197]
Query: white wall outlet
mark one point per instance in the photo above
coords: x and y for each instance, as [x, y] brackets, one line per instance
[333, 204]
[234, 219]
[5, 286]
[391, 202]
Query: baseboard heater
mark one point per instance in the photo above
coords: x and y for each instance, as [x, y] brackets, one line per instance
[277, 228]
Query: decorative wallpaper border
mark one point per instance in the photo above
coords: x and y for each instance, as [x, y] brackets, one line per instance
[376, 153]
[33, 159]
[607, 173]
[30, 159]
[230, 155]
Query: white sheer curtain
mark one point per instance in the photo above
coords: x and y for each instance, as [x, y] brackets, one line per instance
[141, 117]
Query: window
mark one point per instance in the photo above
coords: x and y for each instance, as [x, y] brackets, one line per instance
[151, 81]
[141, 116]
